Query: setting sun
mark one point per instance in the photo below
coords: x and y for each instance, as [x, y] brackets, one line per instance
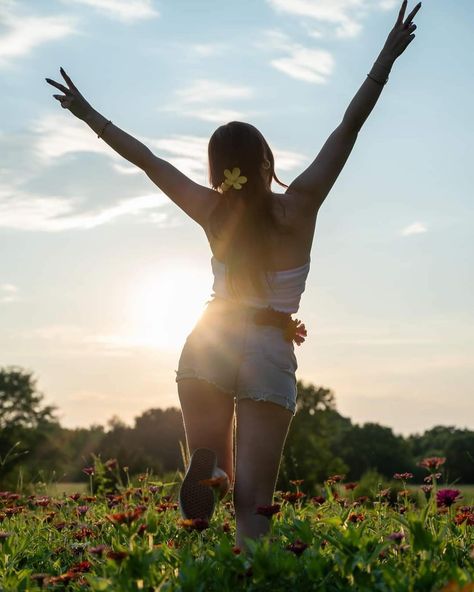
[164, 305]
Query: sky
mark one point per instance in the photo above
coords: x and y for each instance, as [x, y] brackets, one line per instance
[102, 276]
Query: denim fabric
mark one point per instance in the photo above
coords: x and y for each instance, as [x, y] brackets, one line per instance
[243, 359]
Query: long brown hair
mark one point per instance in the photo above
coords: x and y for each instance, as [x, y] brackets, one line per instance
[248, 257]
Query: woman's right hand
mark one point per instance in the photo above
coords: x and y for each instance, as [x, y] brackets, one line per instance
[401, 34]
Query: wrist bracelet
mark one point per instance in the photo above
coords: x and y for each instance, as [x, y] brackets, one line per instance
[102, 130]
[377, 81]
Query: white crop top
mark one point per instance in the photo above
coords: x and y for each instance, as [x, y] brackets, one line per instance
[287, 284]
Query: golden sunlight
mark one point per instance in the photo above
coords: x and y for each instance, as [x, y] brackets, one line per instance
[166, 304]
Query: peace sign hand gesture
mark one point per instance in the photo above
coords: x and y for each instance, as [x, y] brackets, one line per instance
[401, 34]
[72, 98]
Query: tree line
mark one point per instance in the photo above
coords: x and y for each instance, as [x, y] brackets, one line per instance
[321, 442]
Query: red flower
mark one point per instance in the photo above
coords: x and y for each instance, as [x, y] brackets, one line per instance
[117, 555]
[467, 517]
[350, 486]
[433, 462]
[268, 511]
[80, 567]
[293, 496]
[194, 523]
[318, 499]
[88, 470]
[297, 547]
[354, 517]
[403, 475]
[296, 481]
[335, 479]
[111, 463]
[125, 517]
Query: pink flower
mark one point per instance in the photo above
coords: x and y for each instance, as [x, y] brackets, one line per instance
[447, 497]
[403, 476]
[433, 462]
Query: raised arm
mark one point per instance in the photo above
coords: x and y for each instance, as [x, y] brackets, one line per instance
[194, 199]
[313, 185]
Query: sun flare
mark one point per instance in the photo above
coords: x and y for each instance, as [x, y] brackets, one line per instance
[166, 304]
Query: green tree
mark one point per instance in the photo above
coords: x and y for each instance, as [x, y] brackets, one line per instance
[373, 446]
[308, 454]
[24, 420]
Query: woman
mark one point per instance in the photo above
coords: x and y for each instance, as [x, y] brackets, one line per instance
[242, 346]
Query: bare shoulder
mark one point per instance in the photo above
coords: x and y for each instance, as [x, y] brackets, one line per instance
[294, 207]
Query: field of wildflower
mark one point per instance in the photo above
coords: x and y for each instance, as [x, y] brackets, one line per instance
[130, 536]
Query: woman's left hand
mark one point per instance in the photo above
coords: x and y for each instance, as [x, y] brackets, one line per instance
[72, 98]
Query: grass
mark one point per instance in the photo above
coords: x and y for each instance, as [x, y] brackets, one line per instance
[131, 537]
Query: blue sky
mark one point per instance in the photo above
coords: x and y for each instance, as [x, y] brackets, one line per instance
[96, 263]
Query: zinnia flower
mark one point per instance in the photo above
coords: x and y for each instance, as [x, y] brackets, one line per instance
[293, 496]
[268, 511]
[403, 475]
[433, 462]
[447, 497]
[194, 523]
[297, 547]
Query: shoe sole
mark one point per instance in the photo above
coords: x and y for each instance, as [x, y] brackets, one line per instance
[196, 500]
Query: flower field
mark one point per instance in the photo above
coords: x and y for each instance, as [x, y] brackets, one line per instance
[132, 537]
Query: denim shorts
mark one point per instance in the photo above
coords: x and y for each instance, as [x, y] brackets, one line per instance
[246, 360]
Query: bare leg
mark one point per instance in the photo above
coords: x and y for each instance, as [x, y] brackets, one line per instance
[261, 433]
[208, 416]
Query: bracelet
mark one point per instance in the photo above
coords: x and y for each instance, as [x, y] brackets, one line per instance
[102, 130]
[377, 81]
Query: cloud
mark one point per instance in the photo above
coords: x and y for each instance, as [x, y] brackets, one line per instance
[57, 136]
[204, 50]
[127, 11]
[304, 63]
[8, 293]
[416, 228]
[26, 211]
[24, 33]
[204, 90]
[339, 17]
[209, 93]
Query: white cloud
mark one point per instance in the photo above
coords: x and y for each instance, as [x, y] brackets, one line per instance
[124, 169]
[209, 93]
[311, 65]
[205, 50]
[24, 33]
[341, 17]
[285, 160]
[57, 135]
[215, 115]
[127, 11]
[304, 63]
[204, 90]
[416, 228]
[25, 211]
